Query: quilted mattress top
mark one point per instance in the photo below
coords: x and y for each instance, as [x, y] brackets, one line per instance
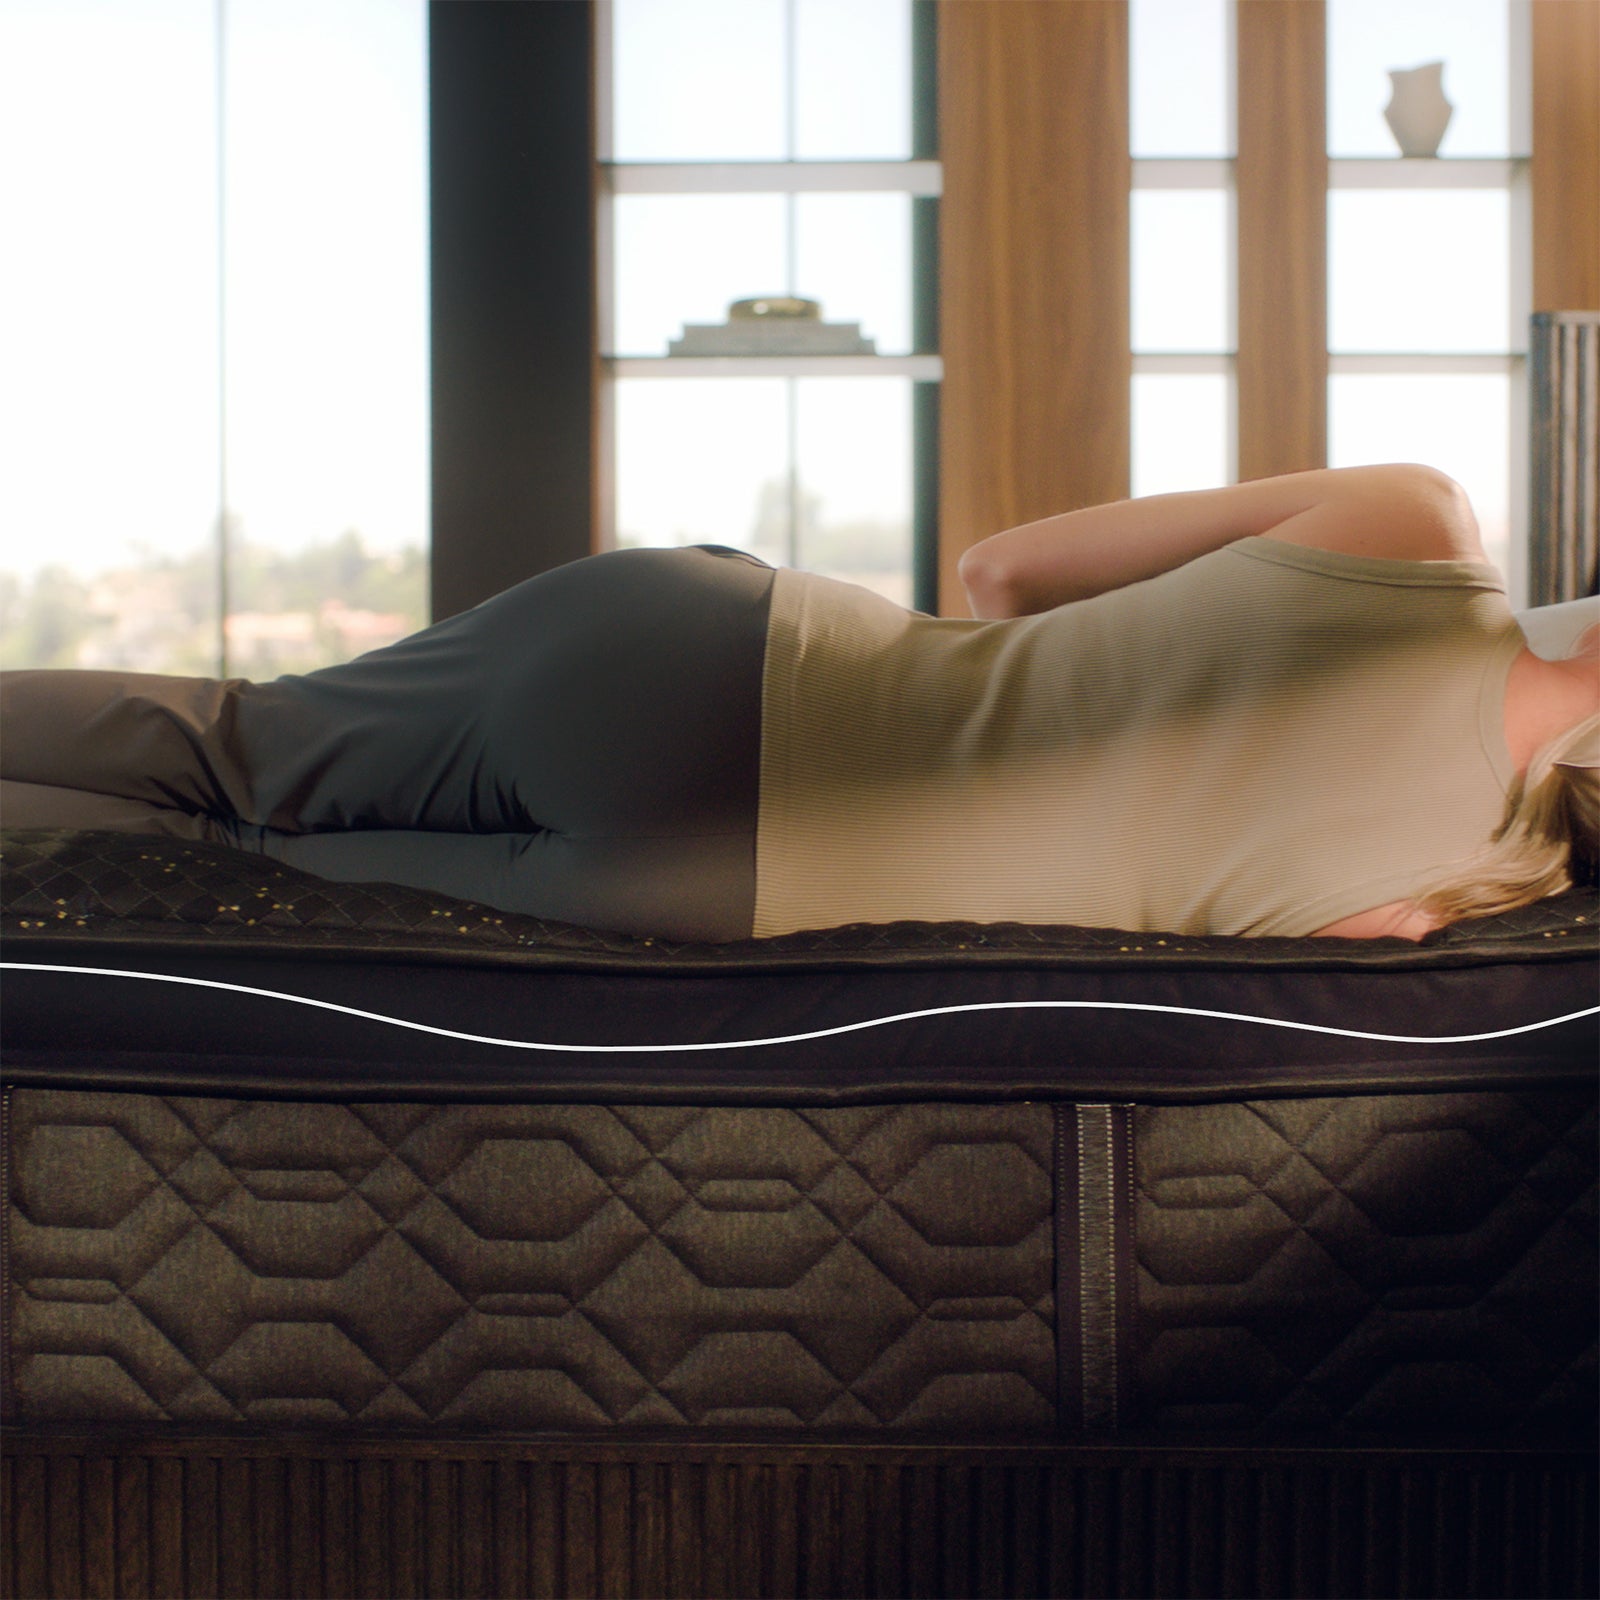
[299, 984]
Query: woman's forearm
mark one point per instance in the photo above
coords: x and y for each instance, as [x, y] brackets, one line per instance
[1400, 511]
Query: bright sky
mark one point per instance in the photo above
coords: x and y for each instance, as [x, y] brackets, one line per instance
[108, 173]
[109, 309]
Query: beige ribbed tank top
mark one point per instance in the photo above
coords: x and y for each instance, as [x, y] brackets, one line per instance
[1262, 741]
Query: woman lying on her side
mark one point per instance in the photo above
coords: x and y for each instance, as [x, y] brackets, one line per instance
[1294, 706]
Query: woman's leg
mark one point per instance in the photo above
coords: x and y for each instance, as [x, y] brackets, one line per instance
[162, 742]
[615, 696]
[694, 887]
[599, 723]
[39, 805]
[584, 747]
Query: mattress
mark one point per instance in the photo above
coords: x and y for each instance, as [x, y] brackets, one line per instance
[284, 1153]
[361, 1241]
[164, 966]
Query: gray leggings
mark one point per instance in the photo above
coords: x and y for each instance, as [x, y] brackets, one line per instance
[585, 747]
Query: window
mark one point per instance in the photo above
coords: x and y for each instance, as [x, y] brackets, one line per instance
[1427, 287]
[1181, 251]
[1428, 290]
[215, 393]
[763, 148]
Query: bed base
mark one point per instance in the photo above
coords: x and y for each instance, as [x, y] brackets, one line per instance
[205, 1515]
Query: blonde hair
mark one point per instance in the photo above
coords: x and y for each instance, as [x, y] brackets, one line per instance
[1549, 840]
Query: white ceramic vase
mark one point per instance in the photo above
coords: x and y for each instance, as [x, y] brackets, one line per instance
[1417, 112]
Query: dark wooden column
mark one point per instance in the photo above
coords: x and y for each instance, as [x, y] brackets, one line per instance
[511, 144]
[1034, 320]
[1566, 155]
[1282, 182]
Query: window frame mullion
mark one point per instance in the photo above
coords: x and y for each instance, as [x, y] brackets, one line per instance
[1281, 198]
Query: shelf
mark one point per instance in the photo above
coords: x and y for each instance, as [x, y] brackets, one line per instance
[1344, 172]
[930, 369]
[925, 179]
[1184, 362]
[920, 178]
[1430, 361]
[1432, 172]
[1146, 362]
[1183, 172]
[927, 369]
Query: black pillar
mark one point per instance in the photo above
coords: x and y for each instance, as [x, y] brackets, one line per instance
[512, 153]
[925, 311]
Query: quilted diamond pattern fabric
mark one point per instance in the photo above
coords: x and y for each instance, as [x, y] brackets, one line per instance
[212, 1261]
[1416, 1262]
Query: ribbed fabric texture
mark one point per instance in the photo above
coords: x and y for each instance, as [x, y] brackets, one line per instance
[1262, 741]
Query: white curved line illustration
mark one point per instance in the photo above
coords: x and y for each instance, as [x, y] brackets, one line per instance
[817, 1033]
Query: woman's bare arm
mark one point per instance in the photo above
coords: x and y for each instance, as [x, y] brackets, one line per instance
[1401, 512]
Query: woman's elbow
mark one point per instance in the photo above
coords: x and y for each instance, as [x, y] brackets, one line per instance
[989, 582]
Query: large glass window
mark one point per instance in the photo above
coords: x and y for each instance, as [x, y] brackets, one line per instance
[760, 80]
[1423, 270]
[806, 472]
[1453, 420]
[1428, 310]
[215, 300]
[1182, 433]
[757, 149]
[1181, 135]
[1427, 302]
[685, 258]
[1180, 56]
[1369, 39]
[1181, 254]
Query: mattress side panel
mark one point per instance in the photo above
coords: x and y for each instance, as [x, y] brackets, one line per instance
[1402, 1263]
[1346, 1266]
[210, 1261]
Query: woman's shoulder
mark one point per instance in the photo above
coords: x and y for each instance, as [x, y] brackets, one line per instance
[1400, 919]
[1434, 572]
[1398, 511]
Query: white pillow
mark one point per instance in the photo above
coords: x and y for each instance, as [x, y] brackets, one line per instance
[1552, 631]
